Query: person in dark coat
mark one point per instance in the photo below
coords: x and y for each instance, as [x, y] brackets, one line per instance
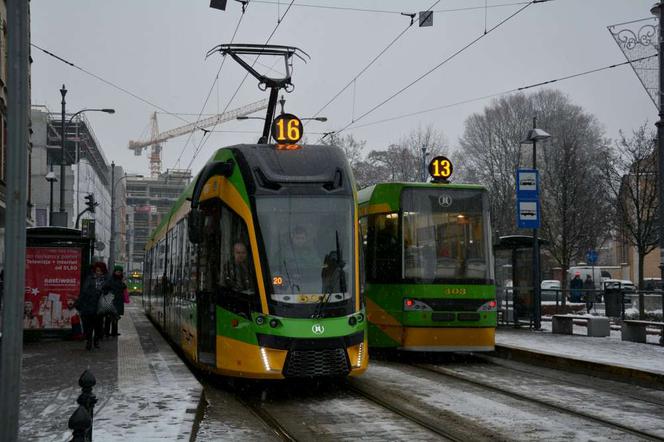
[115, 285]
[88, 302]
[576, 285]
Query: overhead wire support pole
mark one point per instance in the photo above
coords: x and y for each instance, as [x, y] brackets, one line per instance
[18, 110]
[658, 10]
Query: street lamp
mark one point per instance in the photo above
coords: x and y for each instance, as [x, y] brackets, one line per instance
[51, 178]
[534, 135]
[62, 217]
[114, 183]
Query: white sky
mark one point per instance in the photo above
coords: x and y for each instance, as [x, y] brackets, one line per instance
[156, 49]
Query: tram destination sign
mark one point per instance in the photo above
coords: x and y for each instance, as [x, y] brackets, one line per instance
[440, 169]
[287, 129]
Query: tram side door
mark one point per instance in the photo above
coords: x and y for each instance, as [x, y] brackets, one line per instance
[209, 274]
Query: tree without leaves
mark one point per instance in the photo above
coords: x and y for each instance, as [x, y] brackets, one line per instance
[632, 178]
[573, 208]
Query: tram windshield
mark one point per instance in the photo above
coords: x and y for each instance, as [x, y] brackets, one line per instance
[309, 247]
[445, 235]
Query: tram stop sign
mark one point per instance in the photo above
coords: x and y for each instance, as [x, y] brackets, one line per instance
[591, 257]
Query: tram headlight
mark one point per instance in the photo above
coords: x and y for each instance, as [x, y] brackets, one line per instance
[266, 360]
[414, 305]
[274, 323]
[489, 306]
[260, 320]
[352, 321]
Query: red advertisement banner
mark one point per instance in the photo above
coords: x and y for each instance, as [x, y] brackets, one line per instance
[52, 286]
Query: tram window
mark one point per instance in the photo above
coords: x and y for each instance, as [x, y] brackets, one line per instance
[384, 252]
[443, 241]
[209, 266]
[236, 259]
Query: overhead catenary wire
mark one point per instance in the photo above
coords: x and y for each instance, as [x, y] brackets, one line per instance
[204, 139]
[388, 11]
[110, 83]
[214, 82]
[439, 65]
[498, 94]
[373, 60]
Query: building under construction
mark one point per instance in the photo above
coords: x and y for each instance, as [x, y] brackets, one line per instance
[148, 201]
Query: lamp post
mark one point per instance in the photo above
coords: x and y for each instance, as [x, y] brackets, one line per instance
[658, 11]
[534, 135]
[51, 178]
[424, 164]
[62, 217]
[114, 183]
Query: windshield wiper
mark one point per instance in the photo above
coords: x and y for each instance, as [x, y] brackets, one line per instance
[290, 281]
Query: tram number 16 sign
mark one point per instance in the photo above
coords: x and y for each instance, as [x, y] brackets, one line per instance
[440, 168]
[287, 128]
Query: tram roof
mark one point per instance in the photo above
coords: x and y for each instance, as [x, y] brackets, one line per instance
[382, 192]
[320, 170]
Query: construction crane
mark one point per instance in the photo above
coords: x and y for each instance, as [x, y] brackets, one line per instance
[156, 138]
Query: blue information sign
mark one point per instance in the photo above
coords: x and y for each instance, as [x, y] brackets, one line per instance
[528, 213]
[591, 257]
[527, 184]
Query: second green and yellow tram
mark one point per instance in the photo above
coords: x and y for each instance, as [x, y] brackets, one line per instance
[428, 265]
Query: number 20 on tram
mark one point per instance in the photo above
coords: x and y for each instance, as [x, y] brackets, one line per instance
[428, 264]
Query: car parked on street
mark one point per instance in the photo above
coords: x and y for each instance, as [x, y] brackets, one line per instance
[550, 288]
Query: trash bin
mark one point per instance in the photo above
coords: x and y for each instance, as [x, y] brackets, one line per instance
[612, 301]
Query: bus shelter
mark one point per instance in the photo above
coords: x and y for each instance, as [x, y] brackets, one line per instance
[57, 261]
[514, 278]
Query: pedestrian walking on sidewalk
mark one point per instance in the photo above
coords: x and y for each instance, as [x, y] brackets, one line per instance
[576, 285]
[88, 302]
[589, 291]
[117, 287]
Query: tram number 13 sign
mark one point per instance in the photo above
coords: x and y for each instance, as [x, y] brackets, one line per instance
[440, 168]
[287, 129]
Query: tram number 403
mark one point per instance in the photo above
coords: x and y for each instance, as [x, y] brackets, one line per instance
[287, 128]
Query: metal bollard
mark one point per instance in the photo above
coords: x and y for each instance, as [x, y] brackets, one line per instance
[80, 422]
[87, 400]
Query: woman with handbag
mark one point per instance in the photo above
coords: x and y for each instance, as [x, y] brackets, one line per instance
[115, 286]
[88, 304]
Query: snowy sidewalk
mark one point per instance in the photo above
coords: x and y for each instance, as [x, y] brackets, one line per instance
[628, 358]
[144, 391]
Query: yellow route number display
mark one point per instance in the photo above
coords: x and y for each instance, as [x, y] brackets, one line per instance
[287, 129]
[440, 168]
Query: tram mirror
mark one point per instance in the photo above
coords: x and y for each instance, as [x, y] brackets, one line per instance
[195, 226]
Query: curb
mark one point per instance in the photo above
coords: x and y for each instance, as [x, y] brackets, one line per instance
[597, 369]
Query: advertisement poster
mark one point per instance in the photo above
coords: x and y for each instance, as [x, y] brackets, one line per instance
[52, 286]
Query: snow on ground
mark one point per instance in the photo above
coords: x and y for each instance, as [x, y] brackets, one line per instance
[608, 350]
[617, 404]
[507, 417]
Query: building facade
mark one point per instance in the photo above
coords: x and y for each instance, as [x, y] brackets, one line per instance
[148, 201]
[86, 172]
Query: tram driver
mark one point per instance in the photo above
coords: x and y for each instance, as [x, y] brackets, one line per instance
[237, 273]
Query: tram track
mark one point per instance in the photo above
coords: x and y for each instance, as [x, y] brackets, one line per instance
[257, 408]
[445, 434]
[524, 397]
[507, 365]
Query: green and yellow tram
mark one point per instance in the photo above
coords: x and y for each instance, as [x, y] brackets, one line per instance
[135, 283]
[255, 272]
[428, 265]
